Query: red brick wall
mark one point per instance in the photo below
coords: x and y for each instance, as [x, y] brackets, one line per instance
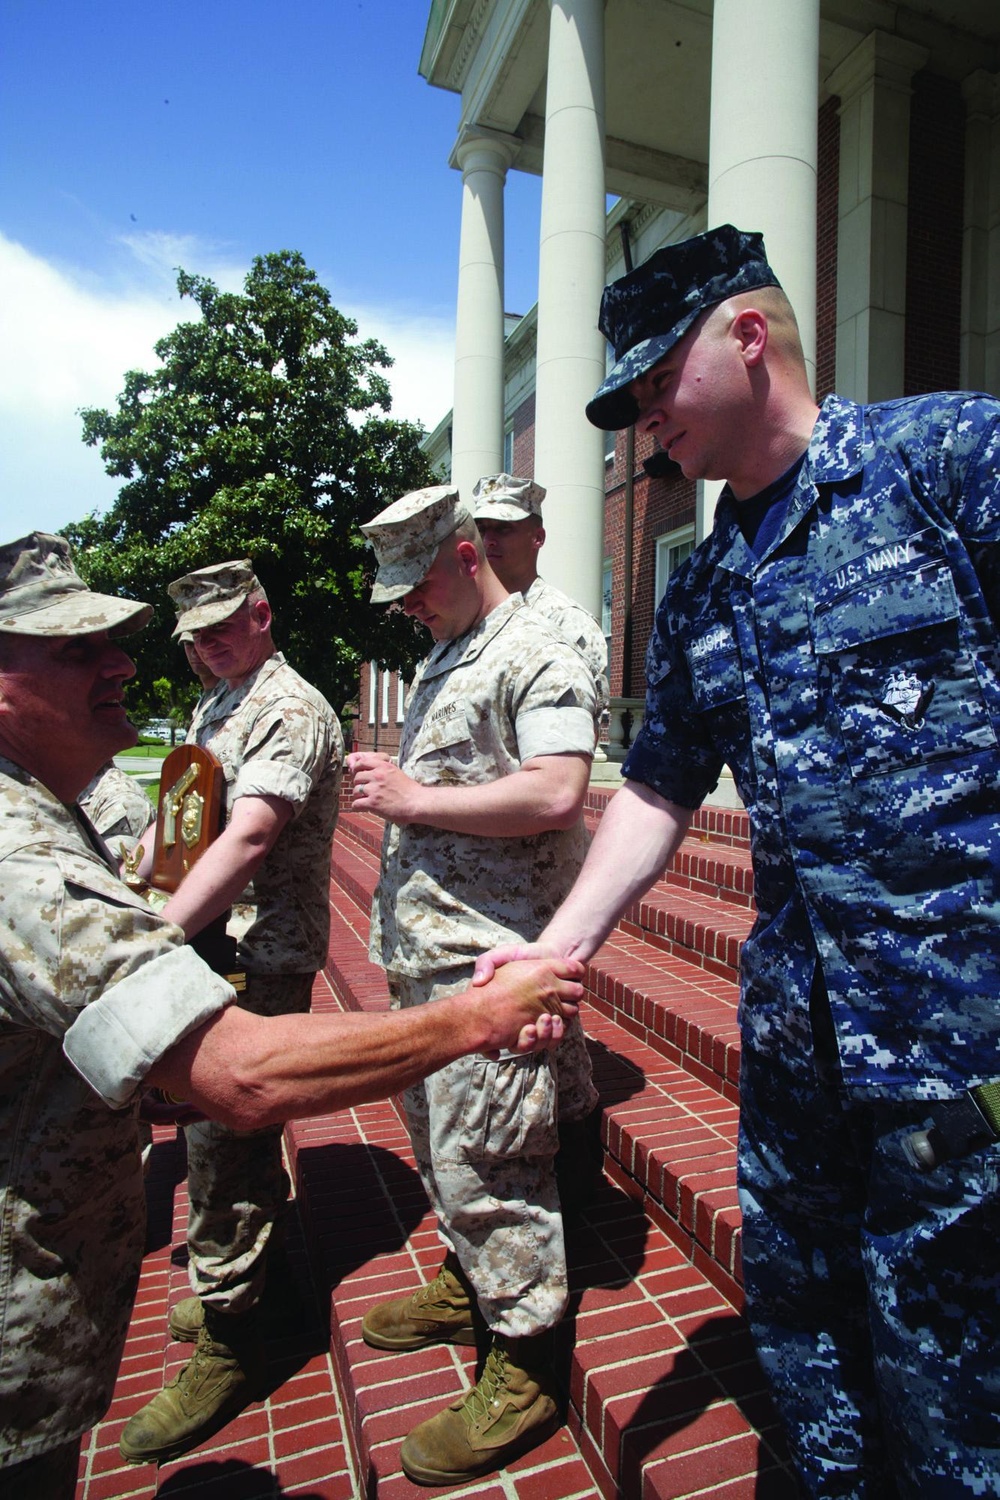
[658, 506]
[934, 235]
[827, 179]
[524, 438]
[377, 736]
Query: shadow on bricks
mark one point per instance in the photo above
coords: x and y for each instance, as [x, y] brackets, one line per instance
[167, 1166]
[348, 1218]
[717, 1371]
[605, 1251]
[616, 1078]
[228, 1479]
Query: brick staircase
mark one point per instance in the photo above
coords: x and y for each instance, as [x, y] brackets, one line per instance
[665, 1396]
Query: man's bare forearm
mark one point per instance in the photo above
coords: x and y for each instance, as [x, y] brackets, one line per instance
[248, 1071]
[547, 792]
[228, 865]
[638, 836]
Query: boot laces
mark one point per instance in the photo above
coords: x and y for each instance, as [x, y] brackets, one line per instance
[434, 1291]
[482, 1396]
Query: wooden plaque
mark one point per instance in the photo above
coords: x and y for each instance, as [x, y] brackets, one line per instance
[190, 813]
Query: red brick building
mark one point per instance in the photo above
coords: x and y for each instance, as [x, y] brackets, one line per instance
[864, 141]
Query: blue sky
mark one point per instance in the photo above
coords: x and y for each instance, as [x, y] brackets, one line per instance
[140, 135]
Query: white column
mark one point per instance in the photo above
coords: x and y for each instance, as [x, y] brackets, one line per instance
[980, 367]
[874, 84]
[762, 151]
[477, 415]
[762, 138]
[569, 452]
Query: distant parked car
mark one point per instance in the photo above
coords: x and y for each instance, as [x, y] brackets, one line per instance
[159, 729]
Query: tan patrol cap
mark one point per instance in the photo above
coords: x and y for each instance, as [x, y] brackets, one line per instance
[503, 497]
[209, 595]
[41, 593]
[406, 537]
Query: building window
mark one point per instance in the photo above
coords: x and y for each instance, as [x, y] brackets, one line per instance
[400, 699]
[609, 437]
[606, 603]
[372, 690]
[508, 449]
[385, 696]
[671, 550]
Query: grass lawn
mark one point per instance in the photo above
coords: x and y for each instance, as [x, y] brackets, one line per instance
[152, 750]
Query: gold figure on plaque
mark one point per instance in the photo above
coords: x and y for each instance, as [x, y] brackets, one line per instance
[191, 813]
[172, 804]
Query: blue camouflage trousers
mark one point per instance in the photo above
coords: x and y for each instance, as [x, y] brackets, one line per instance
[484, 1137]
[237, 1185]
[873, 1291]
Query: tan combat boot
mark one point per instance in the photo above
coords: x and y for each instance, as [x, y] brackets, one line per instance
[514, 1407]
[186, 1319]
[225, 1373]
[439, 1313]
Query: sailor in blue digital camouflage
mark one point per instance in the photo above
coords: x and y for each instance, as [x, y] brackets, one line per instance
[483, 837]
[99, 997]
[834, 641]
[508, 512]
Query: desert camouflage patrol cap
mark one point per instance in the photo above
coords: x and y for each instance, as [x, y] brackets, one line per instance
[644, 314]
[504, 497]
[210, 595]
[41, 593]
[406, 537]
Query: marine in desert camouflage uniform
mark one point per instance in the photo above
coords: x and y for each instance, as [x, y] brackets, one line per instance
[484, 834]
[117, 806]
[281, 751]
[99, 996]
[508, 512]
[835, 642]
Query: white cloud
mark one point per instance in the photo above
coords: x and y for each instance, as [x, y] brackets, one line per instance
[67, 339]
[423, 370]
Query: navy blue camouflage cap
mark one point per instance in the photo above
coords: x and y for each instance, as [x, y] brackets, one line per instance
[644, 314]
[406, 537]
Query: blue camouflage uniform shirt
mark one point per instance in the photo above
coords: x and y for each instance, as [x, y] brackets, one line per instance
[850, 678]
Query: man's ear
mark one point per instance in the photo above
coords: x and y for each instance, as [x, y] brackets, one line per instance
[749, 328]
[468, 557]
[261, 611]
[539, 538]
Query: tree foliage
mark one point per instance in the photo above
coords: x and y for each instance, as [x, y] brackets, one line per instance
[263, 433]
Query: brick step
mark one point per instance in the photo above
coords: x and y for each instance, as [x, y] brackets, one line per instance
[722, 825]
[665, 1395]
[700, 912]
[670, 1100]
[291, 1441]
[674, 989]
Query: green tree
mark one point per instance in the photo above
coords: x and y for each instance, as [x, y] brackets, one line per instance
[263, 433]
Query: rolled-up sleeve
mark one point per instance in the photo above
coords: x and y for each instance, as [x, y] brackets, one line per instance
[115, 1041]
[556, 704]
[285, 753]
[85, 959]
